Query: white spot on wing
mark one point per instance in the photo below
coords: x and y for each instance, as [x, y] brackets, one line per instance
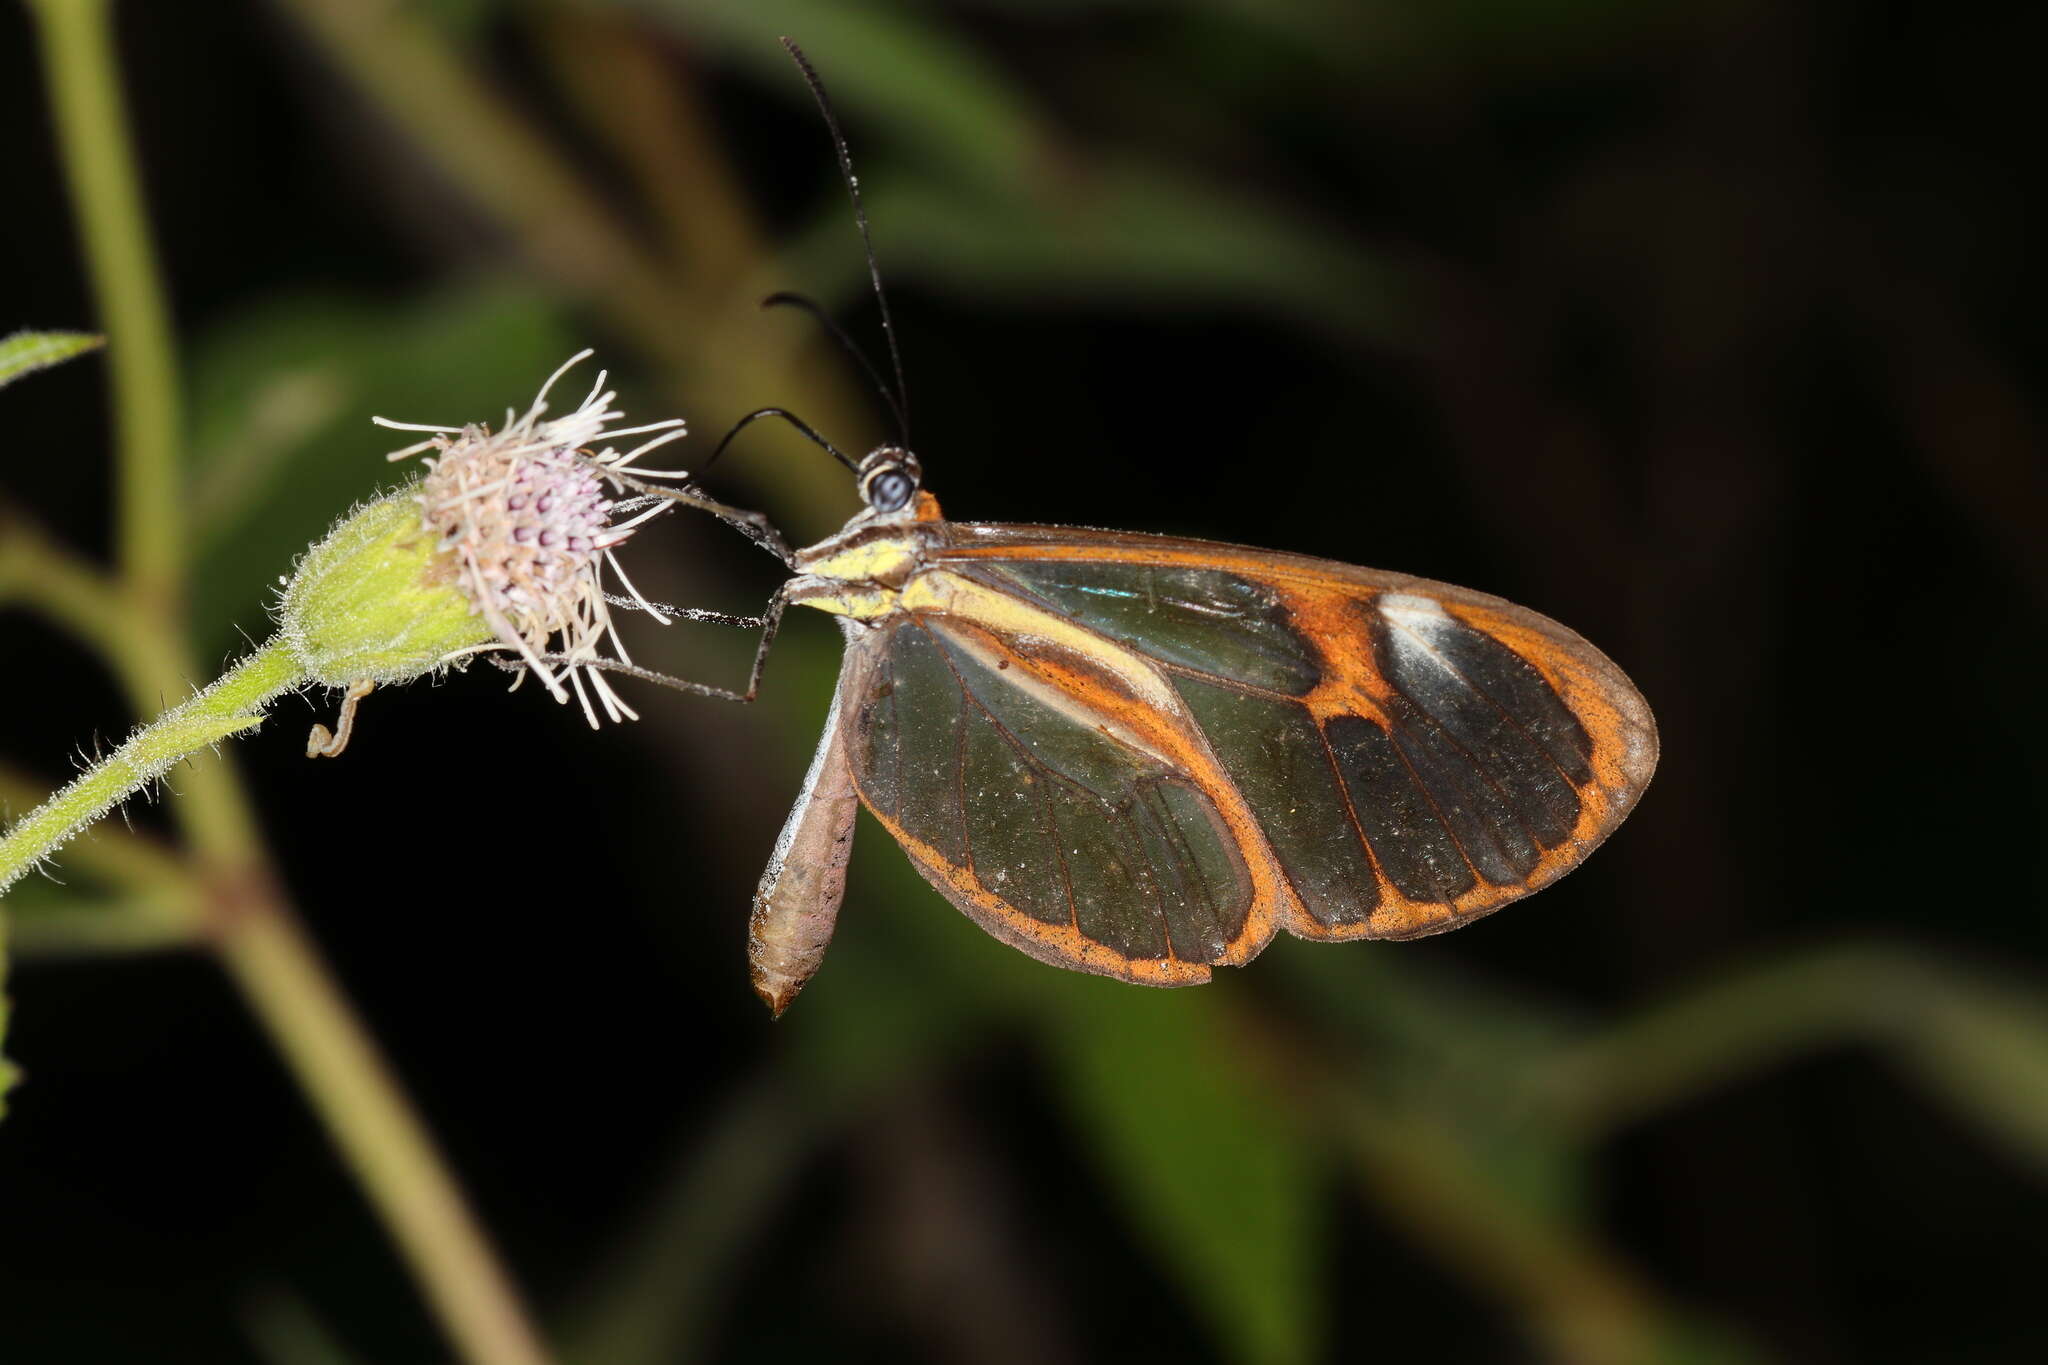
[1414, 620]
[1395, 605]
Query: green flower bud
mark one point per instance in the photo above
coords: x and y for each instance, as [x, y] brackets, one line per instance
[377, 600]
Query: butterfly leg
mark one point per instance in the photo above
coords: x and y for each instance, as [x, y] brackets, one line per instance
[769, 622]
[753, 525]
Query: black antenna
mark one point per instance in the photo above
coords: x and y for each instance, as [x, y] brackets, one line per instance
[799, 423]
[860, 217]
[810, 305]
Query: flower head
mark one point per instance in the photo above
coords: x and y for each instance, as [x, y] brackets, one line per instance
[530, 517]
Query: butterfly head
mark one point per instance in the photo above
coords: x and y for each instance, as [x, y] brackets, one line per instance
[890, 478]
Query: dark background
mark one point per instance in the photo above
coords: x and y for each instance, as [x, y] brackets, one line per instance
[1711, 330]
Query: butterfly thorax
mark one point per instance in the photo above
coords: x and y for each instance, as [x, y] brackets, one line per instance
[861, 571]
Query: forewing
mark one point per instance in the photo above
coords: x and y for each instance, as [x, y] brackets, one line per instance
[1054, 834]
[1416, 754]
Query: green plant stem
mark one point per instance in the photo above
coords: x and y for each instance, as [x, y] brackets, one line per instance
[233, 704]
[659, 1298]
[254, 929]
[149, 922]
[384, 1142]
[260, 942]
[627, 90]
[124, 860]
[73, 595]
[141, 647]
[1575, 1298]
[86, 102]
[1732, 1026]
[1973, 1039]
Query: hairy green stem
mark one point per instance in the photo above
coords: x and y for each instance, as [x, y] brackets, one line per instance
[125, 861]
[233, 704]
[85, 97]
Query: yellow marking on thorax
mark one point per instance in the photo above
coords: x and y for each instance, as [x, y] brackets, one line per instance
[862, 604]
[873, 562]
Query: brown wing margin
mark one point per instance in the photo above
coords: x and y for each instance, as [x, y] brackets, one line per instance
[1455, 753]
[1076, 848]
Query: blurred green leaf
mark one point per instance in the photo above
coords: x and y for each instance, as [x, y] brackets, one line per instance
[1740, 1021]
[468, 20]
[1408, 1008]
[660, 1298]
[1206, 1159]
[291, 408]
[282, 400]
[1423, 1038]
[997, 202]
[28, 351]
[283, 1329]
[1117, 232]
[1576, 1298]
[59, 921]
[926, 85]
[1977, 1042]
[1982, 1045]
[890, 999]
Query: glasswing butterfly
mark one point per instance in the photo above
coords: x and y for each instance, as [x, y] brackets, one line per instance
[1140, 756]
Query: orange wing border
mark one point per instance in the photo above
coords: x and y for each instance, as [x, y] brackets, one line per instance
[1317, 594]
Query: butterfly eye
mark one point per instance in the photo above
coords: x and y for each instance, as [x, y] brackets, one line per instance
[889, 490]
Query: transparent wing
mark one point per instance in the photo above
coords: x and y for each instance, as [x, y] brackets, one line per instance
[1081, 848]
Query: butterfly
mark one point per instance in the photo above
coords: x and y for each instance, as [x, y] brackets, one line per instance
[1142, 757]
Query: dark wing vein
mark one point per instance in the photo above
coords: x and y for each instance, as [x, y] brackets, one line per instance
[1422, 789]
[896, 734]
[1483, 771]
[1050, 776]
[1351, 807]
[960, 761]
[1471, 686]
